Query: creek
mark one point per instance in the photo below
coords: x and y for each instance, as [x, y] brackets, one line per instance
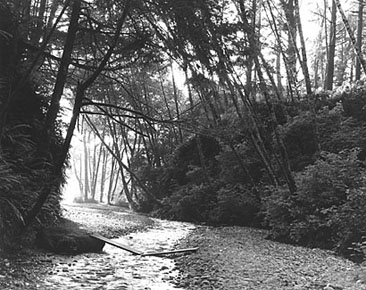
[115, 268]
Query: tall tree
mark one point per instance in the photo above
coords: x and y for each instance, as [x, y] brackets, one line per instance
[351, 36]
[79, 97]
[361, 5]
[331, 50]
[303, 60]
[289, 8]
[54, 108]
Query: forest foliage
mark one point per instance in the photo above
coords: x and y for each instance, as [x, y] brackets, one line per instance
[263, 132]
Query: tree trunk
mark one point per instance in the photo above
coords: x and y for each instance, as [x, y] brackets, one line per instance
[284, 164]
[96, 167]
[278, 71]
[304, 63]
[78, 175]
[331, 50]
[111, 179]
[161, 80]
[63, 69]
[56, 170]
[176, 104]
[117, 156]
[289, 9]
[351, 36]
[86, 167]
[103, 176]
[359, 37]
[190, 96]
[40, 23]
[291, 78]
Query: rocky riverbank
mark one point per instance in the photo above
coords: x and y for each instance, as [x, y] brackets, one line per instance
[242, 258]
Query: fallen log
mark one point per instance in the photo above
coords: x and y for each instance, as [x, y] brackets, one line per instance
[116, 244]
[137, 252]
[170, 252]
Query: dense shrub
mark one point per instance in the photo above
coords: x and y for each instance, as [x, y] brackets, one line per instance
[231, 164]
[300, 140]
[25, 162]
[188, 155]
[190, 203]
[328, 208]
[329, 123]
[155, 179]
[349, 134]
[12, 193]
[354, 104]
[335, 133]
[214, 203]
[349, 222]
[236, 205]
[277, 210]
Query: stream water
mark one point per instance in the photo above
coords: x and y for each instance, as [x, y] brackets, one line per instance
[117, 269]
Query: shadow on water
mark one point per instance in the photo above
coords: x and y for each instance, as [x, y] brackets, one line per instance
[118, 269]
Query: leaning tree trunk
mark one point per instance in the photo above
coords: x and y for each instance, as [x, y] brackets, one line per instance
[284, 163]
[304, 64]
[63, 69]
[289, 9]
[57, 168]
[351, 36]
[122, 166]
[291, 79]
[359, 37]
[331, 51]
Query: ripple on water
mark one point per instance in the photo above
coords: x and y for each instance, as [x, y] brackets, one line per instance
[118, 269]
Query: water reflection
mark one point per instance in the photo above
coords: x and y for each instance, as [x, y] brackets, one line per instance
[118, 269]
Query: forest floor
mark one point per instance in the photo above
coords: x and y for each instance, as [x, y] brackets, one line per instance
[228, 258]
